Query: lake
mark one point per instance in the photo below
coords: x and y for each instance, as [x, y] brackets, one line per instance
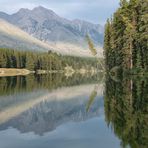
[80, 111]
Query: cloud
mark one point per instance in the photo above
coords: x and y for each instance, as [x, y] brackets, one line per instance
[96, 11]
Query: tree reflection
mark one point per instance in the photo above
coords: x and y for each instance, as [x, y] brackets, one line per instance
[92, 98]
[94, 92]
[11, 85]
[126, 108]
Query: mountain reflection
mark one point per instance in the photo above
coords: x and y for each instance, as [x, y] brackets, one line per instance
[40, 104]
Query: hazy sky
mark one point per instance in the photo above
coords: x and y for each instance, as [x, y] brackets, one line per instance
[96, 11]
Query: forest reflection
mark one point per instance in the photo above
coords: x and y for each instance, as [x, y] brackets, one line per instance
[10, 85]
[126, 108]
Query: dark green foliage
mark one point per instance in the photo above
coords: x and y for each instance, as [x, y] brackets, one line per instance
[17, 84]
[126, 107]
[44, 61]
[126, 36]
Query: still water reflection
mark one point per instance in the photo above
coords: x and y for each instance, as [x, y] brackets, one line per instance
[72, 112]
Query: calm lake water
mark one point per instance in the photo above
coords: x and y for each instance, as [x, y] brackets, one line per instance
[54, 111]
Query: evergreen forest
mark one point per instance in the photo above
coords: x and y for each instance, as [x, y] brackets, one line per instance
[44, 61]
[126, 38]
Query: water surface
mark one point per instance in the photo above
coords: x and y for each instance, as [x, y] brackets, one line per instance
[72, 112]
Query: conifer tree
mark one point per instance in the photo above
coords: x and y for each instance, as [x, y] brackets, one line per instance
[128, 36]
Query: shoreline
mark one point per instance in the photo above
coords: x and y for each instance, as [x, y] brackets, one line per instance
[14, 72]
[68, 71]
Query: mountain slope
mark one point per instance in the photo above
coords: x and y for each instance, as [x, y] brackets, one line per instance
[15, 38]
[47, 26]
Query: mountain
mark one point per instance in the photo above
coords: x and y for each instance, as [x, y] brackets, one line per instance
[14, 38]
[42, 111]
[47, 116]
[56, 31]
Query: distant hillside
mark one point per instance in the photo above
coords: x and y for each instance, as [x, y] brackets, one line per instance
[13, 37]
[59, 32]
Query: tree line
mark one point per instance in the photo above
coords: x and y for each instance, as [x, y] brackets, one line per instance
[45, 61]
[126, 37]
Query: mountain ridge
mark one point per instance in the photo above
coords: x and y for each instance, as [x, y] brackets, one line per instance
[14, 38]
[45, 25]
[42, 15]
